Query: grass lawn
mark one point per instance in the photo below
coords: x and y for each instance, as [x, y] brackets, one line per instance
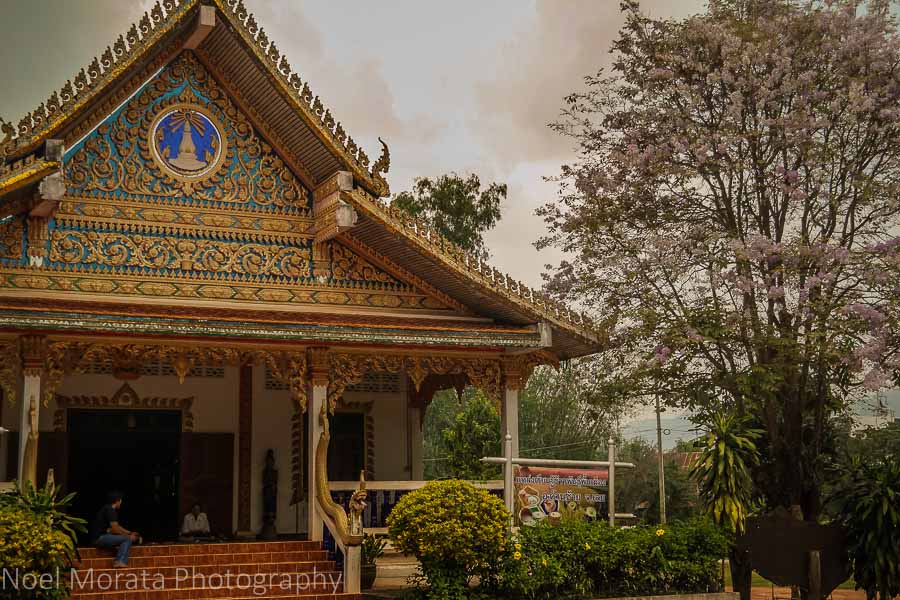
[760, 581]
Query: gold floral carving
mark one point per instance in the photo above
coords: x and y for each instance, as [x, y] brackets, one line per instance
[10, 369]
[12, 232]
[125, 397]
[350, 368]
[517, 368]
[167, 253]
[349, 266]
[66, 357]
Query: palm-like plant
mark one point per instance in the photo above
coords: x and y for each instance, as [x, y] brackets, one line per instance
[722, 472]
[866, 501]
[46, 502]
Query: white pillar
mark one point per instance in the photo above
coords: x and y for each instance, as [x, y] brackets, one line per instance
[510, 417]
[352, 570]
[416, 445]
[31, 389]
[317, 399]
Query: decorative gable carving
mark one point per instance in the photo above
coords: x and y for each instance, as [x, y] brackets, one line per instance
[142, 150]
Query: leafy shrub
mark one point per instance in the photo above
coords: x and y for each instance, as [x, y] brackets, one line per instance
[867, 502]
[372, 548]
[455, 530]
[577, 559]
[30, 547]
[45, 502]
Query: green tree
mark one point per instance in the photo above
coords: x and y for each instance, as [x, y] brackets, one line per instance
[456, 206]
[564, 414]
[474, 434]
[637, 490]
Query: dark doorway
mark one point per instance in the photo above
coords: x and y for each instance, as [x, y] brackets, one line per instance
[347, 447]
[135, 452]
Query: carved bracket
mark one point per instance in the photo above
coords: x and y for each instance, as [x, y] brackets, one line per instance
[348, 369]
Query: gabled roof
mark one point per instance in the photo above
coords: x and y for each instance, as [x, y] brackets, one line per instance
[307, 127]
[282, 105]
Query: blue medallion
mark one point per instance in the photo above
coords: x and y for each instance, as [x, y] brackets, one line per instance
[187, 141]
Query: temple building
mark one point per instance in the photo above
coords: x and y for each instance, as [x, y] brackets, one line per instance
[198, 265]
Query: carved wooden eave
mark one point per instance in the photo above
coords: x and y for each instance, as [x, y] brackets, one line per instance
[471, 281]
[245, 59]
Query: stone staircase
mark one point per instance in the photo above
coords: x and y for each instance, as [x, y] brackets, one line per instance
[296, 570]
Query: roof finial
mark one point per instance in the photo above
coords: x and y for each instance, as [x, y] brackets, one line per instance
[384, 161]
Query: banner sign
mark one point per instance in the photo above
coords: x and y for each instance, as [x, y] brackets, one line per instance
[554, 494]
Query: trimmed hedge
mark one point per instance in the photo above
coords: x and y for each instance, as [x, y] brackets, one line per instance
[593, 559]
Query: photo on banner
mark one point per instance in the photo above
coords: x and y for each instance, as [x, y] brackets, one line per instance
[556, 494]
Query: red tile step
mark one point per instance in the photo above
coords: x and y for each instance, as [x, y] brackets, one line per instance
[206, 559]
[211, 548]
[226, 571]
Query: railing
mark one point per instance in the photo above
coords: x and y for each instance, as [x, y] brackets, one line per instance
[384, 495]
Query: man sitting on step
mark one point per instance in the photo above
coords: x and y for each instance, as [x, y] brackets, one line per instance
[195, 526]
[107, 533]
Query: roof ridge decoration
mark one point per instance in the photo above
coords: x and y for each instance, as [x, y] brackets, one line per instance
[38, 125]
[328, 129]
[475, 267]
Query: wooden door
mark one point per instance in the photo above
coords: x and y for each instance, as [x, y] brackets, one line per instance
[207, 477]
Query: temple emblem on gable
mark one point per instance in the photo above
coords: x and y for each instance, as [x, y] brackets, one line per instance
[187, 142]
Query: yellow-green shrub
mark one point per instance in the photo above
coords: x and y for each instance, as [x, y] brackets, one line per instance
[29, 544]
[456, 531]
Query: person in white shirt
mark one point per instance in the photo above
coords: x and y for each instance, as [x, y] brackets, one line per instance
[195, 525]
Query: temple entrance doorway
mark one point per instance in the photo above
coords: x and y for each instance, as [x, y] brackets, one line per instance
[136, 452]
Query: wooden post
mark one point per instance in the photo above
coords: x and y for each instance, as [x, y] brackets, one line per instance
[245, 447]
[611, 481]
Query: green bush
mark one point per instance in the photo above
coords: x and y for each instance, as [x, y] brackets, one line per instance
[455, 530]
[866, 500]
[578, 559]
[30, 547]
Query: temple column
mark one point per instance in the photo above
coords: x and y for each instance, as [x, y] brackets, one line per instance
[509, 414]
[318, 397]
[33, 352]
[416, 443]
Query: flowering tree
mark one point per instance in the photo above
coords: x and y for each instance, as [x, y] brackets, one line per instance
[735, 209]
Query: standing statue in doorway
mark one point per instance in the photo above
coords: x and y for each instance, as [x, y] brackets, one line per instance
[270, 498]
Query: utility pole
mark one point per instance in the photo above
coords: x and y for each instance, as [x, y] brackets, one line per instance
[662, 470]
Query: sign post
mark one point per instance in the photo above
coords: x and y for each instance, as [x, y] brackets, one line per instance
[509, 463]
